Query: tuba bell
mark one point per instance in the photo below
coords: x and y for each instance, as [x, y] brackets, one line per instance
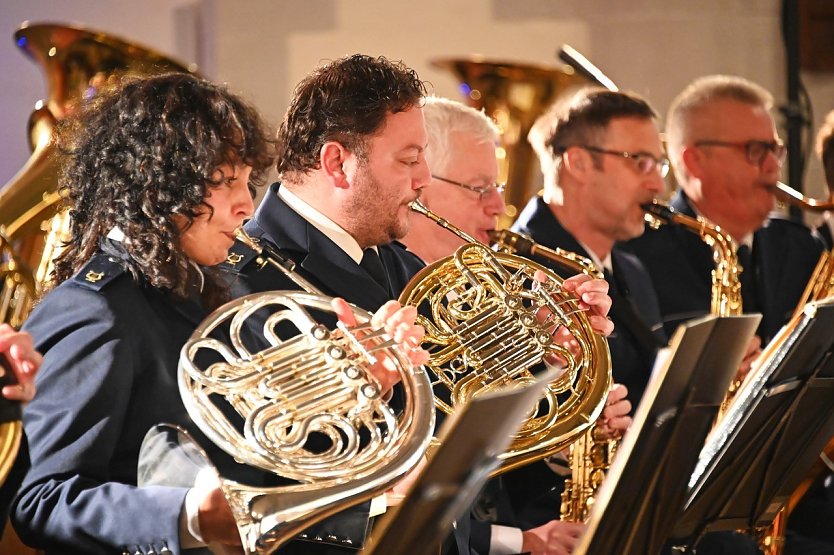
[481, 310]
[514, 95]
[77, 63]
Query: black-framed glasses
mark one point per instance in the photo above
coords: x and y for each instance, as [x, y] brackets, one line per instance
[482, 191]
[644, 162]
[754, 150]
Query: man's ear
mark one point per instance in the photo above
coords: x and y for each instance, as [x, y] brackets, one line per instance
[692, 158]
[332, 159]
[576, 161]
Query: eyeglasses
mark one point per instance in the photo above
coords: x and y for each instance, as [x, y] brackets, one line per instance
[755, 151]
[482, 191]
[643, 161]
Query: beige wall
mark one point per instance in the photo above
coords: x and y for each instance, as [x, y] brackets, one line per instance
[263, 47]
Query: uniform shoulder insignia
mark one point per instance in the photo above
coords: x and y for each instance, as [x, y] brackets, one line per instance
[402, 250]
[98, 272]
[239, 256]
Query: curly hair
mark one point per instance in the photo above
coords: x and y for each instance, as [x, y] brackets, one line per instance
[345, 101]
[144, 152]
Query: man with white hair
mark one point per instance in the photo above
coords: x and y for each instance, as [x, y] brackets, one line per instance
[464, 190]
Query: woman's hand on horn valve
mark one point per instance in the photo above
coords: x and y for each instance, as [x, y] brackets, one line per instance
[399, 322]
[23, 361]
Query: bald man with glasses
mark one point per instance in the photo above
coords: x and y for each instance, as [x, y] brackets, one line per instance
[727, 156]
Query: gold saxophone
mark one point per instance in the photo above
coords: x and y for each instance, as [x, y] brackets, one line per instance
[820, 286]
[479, 308]
[726, 288]
[590, 456]
[311, 409]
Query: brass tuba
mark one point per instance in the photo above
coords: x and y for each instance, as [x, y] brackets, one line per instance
[77, 63]
[309, 409]
[481, 311]
[514, 95]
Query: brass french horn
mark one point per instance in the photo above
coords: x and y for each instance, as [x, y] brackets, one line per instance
[485, 329]
[297, 400]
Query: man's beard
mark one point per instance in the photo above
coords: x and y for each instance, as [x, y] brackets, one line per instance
[371, 213]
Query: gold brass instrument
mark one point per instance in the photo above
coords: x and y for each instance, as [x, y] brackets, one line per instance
[790, 195]
[311, 410]
[726, 287]
[820, 286]
[725, 297]
[11, 428]
[481, 311]
[590, 456]
[77, 63]
[726, 301]
[513, 95]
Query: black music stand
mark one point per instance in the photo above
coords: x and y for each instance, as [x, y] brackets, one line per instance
[770, 436]
[646, 484]
[470, 441]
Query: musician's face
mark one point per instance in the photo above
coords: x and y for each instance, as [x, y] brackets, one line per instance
[470, 161]
[734, 192]
[207, 240]
[391, 176]
[617, 188]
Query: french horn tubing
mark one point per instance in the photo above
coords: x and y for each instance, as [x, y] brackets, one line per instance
[311, 410]
[482, 311]
[590, 456]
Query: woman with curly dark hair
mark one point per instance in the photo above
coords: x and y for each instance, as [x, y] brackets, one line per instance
[159, 175]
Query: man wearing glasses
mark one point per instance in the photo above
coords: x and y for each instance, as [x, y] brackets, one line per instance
[727, 156]
[602, 159]
[464, 171]
[461, 158]
[601, 156]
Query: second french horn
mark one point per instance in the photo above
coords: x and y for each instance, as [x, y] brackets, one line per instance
[489, 321]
